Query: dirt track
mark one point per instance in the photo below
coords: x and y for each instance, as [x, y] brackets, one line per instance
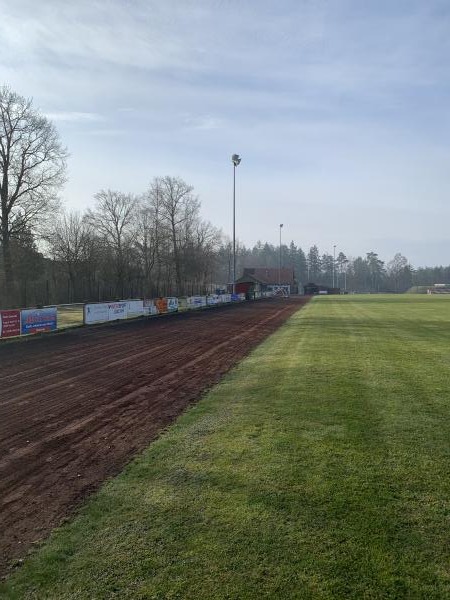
[75, 407]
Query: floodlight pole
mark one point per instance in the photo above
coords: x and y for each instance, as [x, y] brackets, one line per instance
[234, 228]
[334, 261]
[235, 160]
[279, 259]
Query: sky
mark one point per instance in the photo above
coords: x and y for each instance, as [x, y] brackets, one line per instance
[339, 110]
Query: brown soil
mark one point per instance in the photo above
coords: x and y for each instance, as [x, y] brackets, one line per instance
[76, 406]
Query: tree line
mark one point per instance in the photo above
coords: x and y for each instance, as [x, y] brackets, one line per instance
[363, 274]
[127, 245]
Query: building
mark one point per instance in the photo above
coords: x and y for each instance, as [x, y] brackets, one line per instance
[312, 289]
[261, 279]
[439, 288]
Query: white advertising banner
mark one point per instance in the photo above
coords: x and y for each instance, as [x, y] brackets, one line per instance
[135, 308]
[105, 311]
[150, 307]
[117, 310]
[95, 313]
[196, 301]
[98, 312]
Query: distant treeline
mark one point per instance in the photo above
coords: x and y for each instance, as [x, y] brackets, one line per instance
[362, 274]
[157, 244]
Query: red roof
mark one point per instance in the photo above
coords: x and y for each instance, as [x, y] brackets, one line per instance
[270, 276]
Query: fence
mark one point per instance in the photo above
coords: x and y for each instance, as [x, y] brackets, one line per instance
[29, 321]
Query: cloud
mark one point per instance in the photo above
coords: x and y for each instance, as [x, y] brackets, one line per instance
[113, 32]
[344, 100]
[126, 109]
[113, 132]
[205, 122]
[74, 116]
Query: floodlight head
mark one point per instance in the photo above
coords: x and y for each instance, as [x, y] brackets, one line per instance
[236, 159]
[281, 225]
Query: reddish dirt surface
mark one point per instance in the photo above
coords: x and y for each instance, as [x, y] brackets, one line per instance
[76, 406]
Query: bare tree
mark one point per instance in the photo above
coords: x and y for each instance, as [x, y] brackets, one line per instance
[206, 242]
[32, 169]
[73, 244]
[114, 219]
[179, 211]
[150, 236]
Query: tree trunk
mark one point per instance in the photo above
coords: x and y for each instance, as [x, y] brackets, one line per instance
[176, 260]
[8, 269]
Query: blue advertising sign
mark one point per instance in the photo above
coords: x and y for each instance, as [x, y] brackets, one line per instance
[172, 304]
[35, 320]
[234, 297]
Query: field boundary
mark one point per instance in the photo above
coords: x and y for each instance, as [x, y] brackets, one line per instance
[12, 321]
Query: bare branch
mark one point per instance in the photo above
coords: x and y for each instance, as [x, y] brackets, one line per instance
[32, 169]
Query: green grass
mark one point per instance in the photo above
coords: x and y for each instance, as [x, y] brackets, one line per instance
[418, 289]
[69, 316]
[319, 468]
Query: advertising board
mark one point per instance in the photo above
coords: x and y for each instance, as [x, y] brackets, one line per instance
[161, 305]
[234, 297]
[172, 304]
[196, 301]
[35, 320]
[135, 308]
[212, 299]
[150, 307]
[117, 310]
[225, 298]
[95, 313]
[9, 323]
[105, 311]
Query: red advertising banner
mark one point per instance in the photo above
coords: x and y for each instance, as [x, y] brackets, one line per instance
[9, 323]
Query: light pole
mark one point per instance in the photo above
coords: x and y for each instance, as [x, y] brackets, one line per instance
[279, 261]
[334, 261]
[235, 159]
[344, 264]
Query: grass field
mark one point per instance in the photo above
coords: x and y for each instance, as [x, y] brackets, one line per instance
[68, 315]
[319, 468]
